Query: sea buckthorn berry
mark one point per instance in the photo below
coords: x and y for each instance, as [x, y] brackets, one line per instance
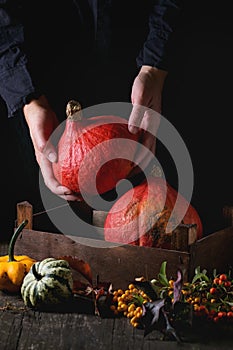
[171, 283]
[138, 308]
[124, 307]
[227, 284]
[131, 307]
[120, 291]
[202, 308]
[222, 314]
[230, 314]
[134, 319]
[213, 301]
[223, 277]
[184, 292]
[212, 313]
[213, 290]
[144, 295]
[131, 286]
[216, 280]
[197, 300]
[135, 324]
[138, 314]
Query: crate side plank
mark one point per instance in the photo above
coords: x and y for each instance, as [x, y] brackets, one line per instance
[117, 265]
[214, 251]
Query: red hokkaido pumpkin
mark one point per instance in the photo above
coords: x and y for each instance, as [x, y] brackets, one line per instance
[94, 153]
[141, 215]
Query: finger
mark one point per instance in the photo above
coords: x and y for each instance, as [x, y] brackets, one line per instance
[145, 154]
[54, 186]
[135, 118]
[151, 121]
[71, 197]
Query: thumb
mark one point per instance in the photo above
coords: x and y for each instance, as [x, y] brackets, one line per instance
[50, 152]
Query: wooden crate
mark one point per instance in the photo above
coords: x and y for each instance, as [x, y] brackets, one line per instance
[121, 264]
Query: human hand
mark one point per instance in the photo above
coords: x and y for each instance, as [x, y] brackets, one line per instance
[146, 97]
[42, 121]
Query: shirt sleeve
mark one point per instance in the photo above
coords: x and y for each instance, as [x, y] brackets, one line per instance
[15, 80]
[162, 22]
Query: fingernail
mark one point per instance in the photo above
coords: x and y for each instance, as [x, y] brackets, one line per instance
[67, 193]
[52, 157]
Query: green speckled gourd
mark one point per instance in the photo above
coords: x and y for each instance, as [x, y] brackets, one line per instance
[47, 283]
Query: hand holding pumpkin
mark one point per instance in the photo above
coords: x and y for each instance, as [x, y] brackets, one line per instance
[146, 98]
[42, 121]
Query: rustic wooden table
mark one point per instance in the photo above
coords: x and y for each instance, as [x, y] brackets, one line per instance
[79, 328]
[24, 329]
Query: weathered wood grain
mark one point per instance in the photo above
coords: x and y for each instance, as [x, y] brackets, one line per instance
[116, 264]
[213, 251]
[25, 329]
[25, 211]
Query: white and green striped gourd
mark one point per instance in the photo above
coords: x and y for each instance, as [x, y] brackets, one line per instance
[48, 282]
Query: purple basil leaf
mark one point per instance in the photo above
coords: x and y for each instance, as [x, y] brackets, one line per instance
[151, 314]
[177, 287]
[169, 330]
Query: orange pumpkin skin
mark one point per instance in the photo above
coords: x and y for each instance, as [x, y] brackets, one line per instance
[143, 220]
[94, 154]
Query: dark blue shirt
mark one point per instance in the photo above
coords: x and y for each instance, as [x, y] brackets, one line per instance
[37, 36]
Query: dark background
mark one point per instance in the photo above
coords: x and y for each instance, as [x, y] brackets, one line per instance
[197, 100]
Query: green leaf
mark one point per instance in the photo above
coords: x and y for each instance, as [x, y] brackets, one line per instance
[229, 303]
[200, 276]
[197, 270]
[162, 276]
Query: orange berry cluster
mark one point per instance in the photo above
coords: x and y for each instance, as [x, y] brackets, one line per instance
[129, 303]
[213, 299]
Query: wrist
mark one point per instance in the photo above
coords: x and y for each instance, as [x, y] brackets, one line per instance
[156, 73]
[35, 95]
[35, 100]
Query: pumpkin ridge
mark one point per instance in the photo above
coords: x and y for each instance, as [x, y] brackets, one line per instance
[61, 280]
[80, 137]
[156, 204]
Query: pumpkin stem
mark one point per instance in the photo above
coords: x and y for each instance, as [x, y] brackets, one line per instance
[35, 273]
[13, 240]
[73, 110]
